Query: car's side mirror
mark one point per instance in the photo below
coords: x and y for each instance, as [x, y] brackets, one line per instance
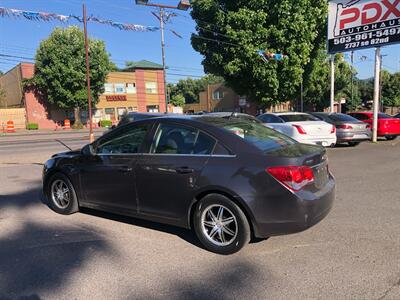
[88, 150]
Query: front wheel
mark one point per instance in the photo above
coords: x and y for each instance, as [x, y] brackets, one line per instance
[390, 137]
[221, 225]
[61, 195]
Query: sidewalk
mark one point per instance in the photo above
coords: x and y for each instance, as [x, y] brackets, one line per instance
[24, 132]
[47, 135]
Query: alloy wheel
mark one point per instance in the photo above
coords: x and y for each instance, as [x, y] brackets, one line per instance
[60, 193]
[219, 225]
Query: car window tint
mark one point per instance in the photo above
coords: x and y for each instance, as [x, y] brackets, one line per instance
[262, 137]
[127, 140]
[384, 116]
[298, 118]
[360, 116]
[342, 117]
[267, 118]
[220, 150]
[180, 139]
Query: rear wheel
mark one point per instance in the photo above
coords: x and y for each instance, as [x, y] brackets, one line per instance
[390, 137]
[221, 225]
[353, 144]
[61, 195]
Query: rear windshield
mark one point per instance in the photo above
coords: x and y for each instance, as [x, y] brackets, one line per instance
[342, 117]
[298, 118]
[384, 116]
[262, 137]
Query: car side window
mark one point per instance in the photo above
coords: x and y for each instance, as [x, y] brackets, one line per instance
[180, 139]
[125, 141]
[270, 119]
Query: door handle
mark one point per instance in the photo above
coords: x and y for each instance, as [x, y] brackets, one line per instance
[184, 170]
[125, 169]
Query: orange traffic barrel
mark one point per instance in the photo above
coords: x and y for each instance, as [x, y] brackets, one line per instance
[10, 127]
[67, 124]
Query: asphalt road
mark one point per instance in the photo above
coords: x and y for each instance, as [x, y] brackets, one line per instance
[352, 254]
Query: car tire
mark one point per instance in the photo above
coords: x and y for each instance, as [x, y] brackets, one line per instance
[61, 195]
[353, 144]
[390, 137]
[221, 225]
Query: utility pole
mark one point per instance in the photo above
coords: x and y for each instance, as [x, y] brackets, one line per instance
[182, 5]
[376, 94]
[332, 102]
[162, 14]
[301, 95]
[91, 135]
[352, 76]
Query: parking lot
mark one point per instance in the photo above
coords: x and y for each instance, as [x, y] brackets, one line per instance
[352, 254]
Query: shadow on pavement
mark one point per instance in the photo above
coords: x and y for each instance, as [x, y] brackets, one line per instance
[38, 258]
[185, 234]
[23, 199]
[236, 280]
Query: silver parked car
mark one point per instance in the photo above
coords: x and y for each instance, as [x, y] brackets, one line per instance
[348, 129]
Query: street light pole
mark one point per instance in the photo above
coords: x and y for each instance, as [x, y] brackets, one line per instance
[162, 14]
[91, 135]
[182, 5]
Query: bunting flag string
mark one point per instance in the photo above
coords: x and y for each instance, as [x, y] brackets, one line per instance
[44, 16]
[265, 55]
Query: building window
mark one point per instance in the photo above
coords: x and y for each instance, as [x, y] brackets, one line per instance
[218, 95]
[151, 87]
[120, 88]
[110, 113]
[108, 88]
[131, 88]
[152, 108]
[121, 111]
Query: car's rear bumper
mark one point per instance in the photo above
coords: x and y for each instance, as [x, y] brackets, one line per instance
[353, 136]
[307, 210]
[318, 140]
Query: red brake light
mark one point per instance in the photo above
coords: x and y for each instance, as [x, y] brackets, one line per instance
[344, 127]
[300, 129]
[333, 130]
[293, 177]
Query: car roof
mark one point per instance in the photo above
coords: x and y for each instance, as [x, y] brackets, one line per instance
[289, 113]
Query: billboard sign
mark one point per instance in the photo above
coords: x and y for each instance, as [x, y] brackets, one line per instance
[357, 24]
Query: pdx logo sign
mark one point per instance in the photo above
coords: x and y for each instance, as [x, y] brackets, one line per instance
[359, 16]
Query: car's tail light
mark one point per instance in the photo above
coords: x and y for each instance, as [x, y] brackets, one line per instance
[344, 126]
[369, 126]
[333, 130]
[300, 129]
[293, 177]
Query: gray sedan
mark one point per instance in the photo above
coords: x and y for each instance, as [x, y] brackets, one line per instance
[348, 129]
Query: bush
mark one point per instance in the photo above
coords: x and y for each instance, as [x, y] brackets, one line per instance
[105, 123]
[32, 126]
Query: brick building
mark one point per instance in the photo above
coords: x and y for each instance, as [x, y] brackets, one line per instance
[137, 88]
[219, 97]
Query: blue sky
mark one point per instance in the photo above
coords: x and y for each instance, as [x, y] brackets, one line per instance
[20, 37]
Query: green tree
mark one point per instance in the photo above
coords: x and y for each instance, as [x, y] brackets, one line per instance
[390, 88]
[366, 89]
[190, 88]
[2, 96]
[317, 82]
[231, 32]
[177, 100]
[60, 69]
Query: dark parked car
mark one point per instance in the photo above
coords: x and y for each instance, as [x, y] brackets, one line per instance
[348, 129]
[226, 178]
[136, 116]
[397, 116]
